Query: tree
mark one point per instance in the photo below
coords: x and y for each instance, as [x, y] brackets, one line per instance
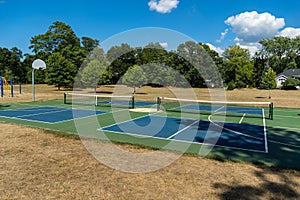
[134, 77]
[120, 59]
[60, 71]
[269, 79]
[260, 68]
[75, 54]
[239, 68]
[89, 44]
[58, 36]
[236, 51]
[16, 68]
[176, 76]
[197, 66]
[91, 74]
[61, 39]
[218, 60]
[11, 65]
[282, 53]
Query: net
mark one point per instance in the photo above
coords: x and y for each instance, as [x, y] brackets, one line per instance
[99, 100]
[252, 109]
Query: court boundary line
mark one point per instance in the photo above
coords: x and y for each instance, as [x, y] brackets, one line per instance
[283, 127]
[42, 113]
[183, 141]
[20, 108]
[65, 109]
[285, 144]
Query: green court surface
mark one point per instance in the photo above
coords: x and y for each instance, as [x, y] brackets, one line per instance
[282, 133]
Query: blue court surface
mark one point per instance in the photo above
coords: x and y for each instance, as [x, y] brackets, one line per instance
[216, 108]
[48, 114]
[238, 136]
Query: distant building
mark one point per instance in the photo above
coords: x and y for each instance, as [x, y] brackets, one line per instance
[291, 73]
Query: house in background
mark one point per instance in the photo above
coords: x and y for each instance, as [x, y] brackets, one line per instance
[291, 73]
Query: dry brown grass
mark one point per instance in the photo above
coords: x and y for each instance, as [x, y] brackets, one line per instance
[38, 165]
[35, 165]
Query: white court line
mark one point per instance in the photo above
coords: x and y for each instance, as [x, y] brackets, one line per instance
[265, 131]
[283, 127]
[182, 141]
[183, 129]
[219, 109]
[42, 113]
[27, 109]
[242, 118]
[285, 144]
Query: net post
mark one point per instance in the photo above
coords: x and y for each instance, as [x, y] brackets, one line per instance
[1, 84]
[65, 98]
[96, 100]
[11, 87]
[271, 110]
[20, 87]
[158, 102]
[132, 102]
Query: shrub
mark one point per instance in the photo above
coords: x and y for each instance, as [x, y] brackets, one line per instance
[240, 84]
[290, 84]
[269, 80]
[231, 85]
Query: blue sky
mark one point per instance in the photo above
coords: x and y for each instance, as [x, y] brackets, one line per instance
[242, 22]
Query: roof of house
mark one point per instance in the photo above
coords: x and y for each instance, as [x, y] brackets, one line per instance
[290, 73]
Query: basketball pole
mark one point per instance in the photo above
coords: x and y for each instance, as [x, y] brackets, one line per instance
[32, 77]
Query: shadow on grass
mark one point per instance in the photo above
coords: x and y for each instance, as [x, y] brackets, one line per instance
[104, 92]
[4, 106]
[281, 189]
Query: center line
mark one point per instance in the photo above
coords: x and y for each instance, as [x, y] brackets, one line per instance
[242, 118]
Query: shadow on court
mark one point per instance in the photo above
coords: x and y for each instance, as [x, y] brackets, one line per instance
[283, 145]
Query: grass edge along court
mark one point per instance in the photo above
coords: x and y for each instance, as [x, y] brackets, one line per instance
[281, 145]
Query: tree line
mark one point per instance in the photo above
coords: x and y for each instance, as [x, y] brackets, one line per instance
[66, 54]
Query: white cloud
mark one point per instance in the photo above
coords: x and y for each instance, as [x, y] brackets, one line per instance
[164, 44]
[217, 49]
[223, 34]
[290, 32]
[251, 27]
[163, 6]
